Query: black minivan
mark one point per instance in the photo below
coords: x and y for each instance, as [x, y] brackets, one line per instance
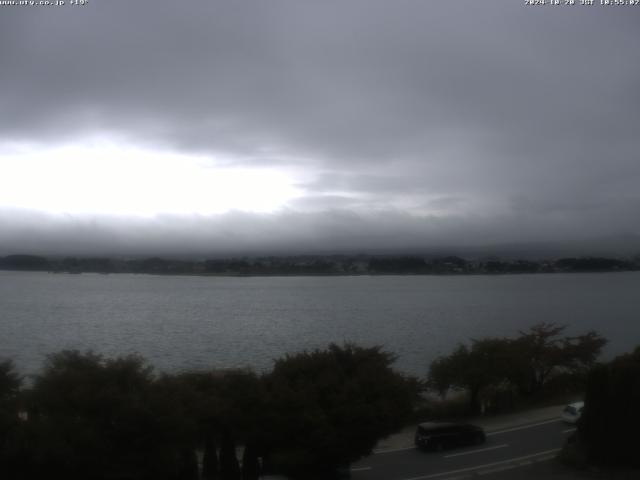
[438, 436]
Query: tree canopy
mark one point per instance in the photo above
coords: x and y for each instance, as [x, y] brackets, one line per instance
[113, 418]
[525, 363]
[485, 363]
[92, 417]
[331, 406]
[610, 423]
[10, 382]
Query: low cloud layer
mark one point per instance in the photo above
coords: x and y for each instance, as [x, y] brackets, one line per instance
[404, 125]
[293, 232]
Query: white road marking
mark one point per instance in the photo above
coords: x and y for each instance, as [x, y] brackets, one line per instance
[486, 465]
[531, 425]
[569, 430]
[475, 451]
[360, 469]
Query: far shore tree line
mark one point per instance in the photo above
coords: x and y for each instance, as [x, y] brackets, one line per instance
[87, 416]
[317, 265]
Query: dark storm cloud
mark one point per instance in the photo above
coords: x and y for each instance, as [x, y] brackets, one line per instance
[490, 120]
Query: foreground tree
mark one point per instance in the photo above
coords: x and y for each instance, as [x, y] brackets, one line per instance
[611, 420]
[10, 381]
[210, 467]
[10, 425]
[229, 465]
[526, 363]
[226, 406]
[103, 418]
[250, 463]
[541, 352]
[472, 369]
[329, 407]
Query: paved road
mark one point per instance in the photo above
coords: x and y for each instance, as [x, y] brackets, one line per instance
[504, 450]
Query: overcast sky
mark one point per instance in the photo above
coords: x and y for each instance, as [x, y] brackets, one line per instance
[250, 126]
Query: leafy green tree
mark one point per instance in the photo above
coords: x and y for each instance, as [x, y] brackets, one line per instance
[327, 408]
[472, 369]
[229, 466]
[610, 423]
[188, 469]
[525, 363]
[210, 467]
[250, 463]
[101, 418]
[10, 381]
[10, 427]
[541, 352]
[222, 403]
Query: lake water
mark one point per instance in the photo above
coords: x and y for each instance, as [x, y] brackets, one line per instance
[199, 322]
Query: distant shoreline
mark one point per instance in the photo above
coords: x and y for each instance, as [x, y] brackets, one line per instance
[316, 265]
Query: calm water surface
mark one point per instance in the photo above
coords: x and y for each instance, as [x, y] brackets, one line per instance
[200, 322]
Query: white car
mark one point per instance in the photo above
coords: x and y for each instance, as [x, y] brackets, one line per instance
[572, 412]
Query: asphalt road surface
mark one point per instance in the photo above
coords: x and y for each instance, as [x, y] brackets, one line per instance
[505, 450]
